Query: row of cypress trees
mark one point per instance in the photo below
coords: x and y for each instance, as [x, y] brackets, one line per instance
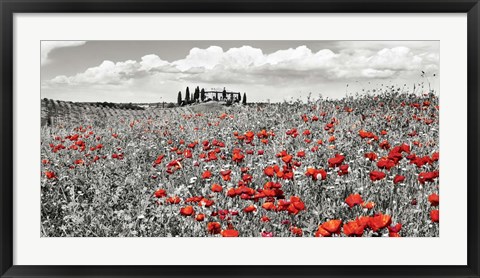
[199, 96]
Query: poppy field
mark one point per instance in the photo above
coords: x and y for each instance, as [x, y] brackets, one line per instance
[358, 166]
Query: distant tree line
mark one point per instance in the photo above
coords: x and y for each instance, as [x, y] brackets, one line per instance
[126, 106]
[199, 95]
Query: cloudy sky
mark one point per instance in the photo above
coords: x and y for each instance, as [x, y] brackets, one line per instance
[154, 71]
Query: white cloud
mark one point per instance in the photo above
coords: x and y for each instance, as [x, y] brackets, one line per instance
[397, 58]
[152, 61]
[49, 46]
[207, 58]
[373, 73]
[110, 73]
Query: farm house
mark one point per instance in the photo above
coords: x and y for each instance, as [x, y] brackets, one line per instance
[222, 95]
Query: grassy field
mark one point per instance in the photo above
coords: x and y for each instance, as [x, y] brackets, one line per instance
[359, 166]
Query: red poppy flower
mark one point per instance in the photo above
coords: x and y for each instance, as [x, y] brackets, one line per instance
[173, 200]
[395, 154]
[194, 199]
[427, 176]
[385, 163]
[398, 179]
[269, 171]
[321, 232]
[332, 226]
[265, 219]
[206, 202]
[288, 175]
[159, 159]
[395, 229]
[384, 145]
[292, 132]
[353, 199]
[405, 148]
[207, 174]
[377, 175]
[160, 193]
[343, 170]
[216, 187]
[353, 228]
[229, 233]
[249, 134]
[434, 200]
[304, 118]
[379, 221]
[187, 211]
[244, 169]
[292, 209]
[371, 156]
[268, 206]
[247, 178]
[316, 174]
[336, 161]
[214, 227]
[249, 209]
[276, 168]
[368, 205]
[50, 175]
[287, 159]
[298, 204]
[211, 156]
[267, 234]
[238, 157]
[420, 161]
[435, 215]
[262, 134]
[225, 172]
[231, 192]
[365, 134]
[200, 217]
[296, 231]
[363, 220]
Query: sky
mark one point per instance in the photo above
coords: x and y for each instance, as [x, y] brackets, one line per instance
[155, 71]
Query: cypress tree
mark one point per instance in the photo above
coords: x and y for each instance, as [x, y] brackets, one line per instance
[202, 94]
[187, 96]
[179, 98]
[224, 93]
[196, 95]
[244, 98]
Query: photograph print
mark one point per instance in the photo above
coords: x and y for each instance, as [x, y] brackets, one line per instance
[240, 138]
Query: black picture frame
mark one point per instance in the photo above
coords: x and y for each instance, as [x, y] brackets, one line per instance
[9, 7]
